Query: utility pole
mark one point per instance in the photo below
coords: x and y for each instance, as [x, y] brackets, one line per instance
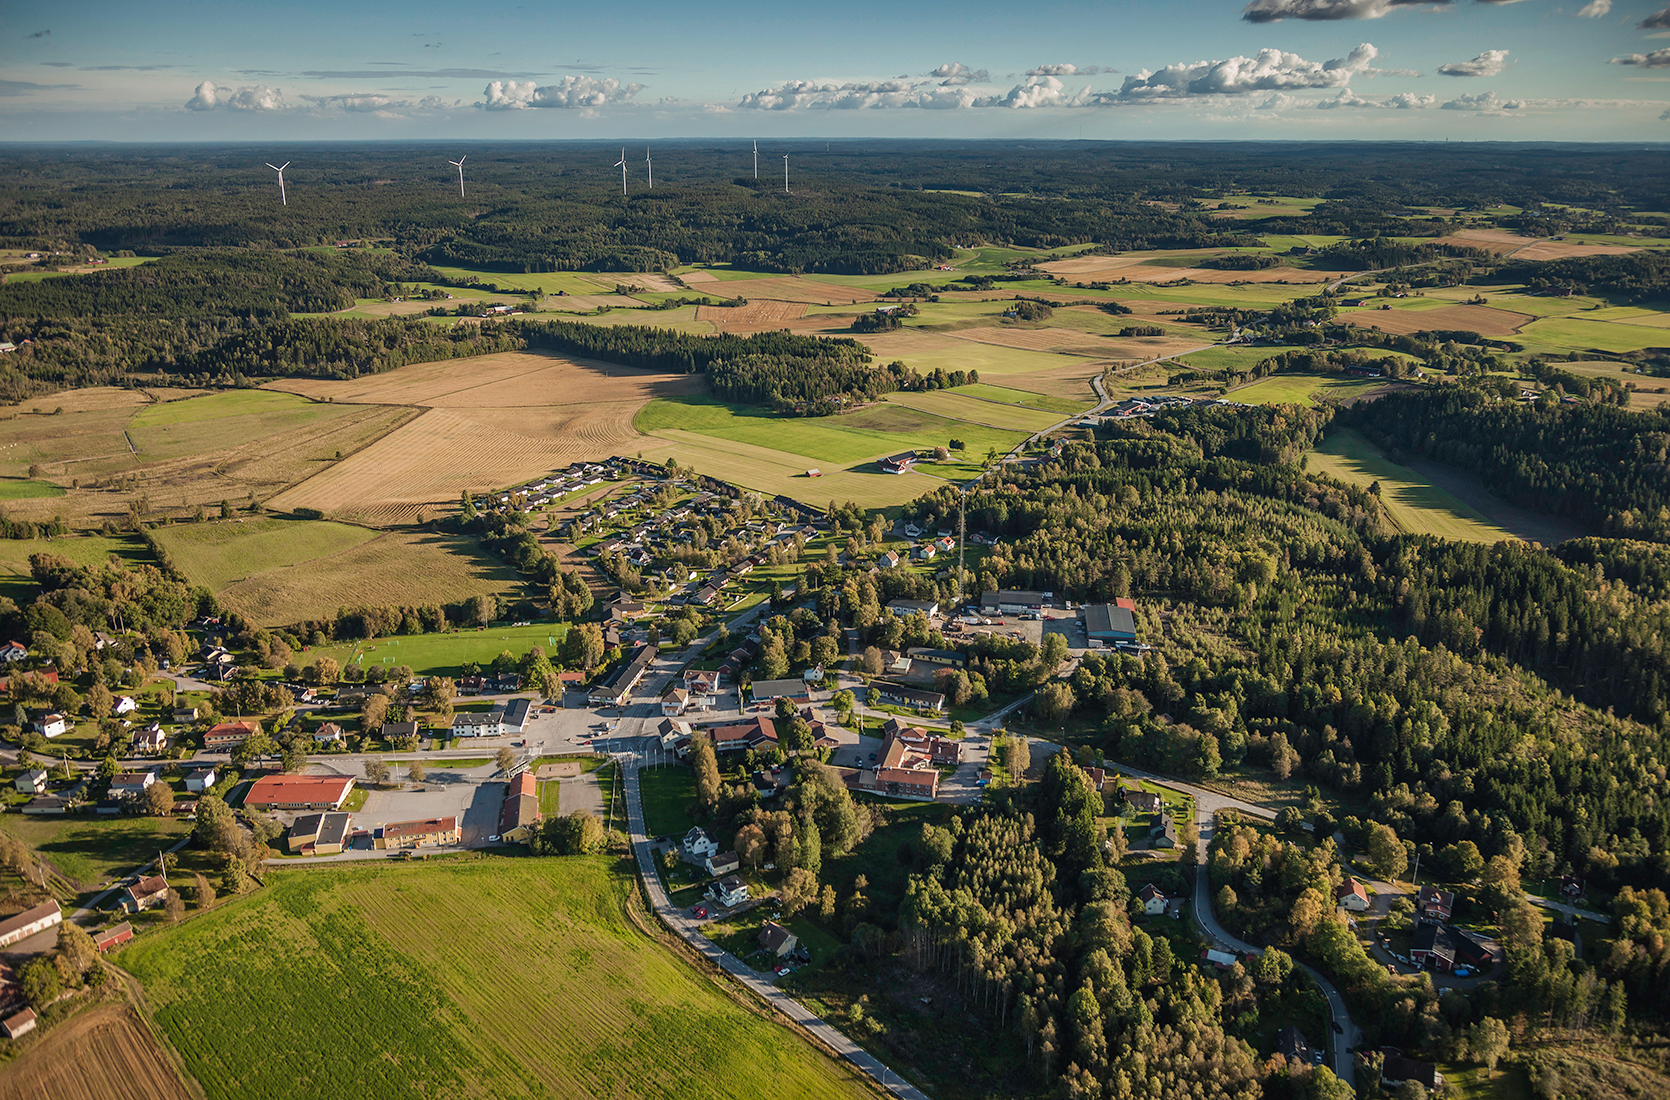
[962, 538]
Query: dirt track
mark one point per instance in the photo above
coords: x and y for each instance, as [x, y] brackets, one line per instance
[104, 1053]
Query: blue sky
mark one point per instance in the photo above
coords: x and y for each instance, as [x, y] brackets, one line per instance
[1584, 70]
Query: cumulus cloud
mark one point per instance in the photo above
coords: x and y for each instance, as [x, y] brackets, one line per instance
[1594, 9]
[954, 74]
[1066, 70]
[1658, 21]
[1345, 98]
[857, 96]
[1489, 63]
[569, 92]
[1658, 59]
[1271, 70]
[210, 96]
[1040, 91]
[373, 103]
[1403, 101]
[1409, 101]
[1484, 102]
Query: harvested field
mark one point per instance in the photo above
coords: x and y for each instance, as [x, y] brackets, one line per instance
[772, 471]
[1561, 250]
[509, 379]
[102, 1053]
[755, 312]
[1138, 270]
[1484, 320]
[1498, 241]
[446, 451]
[585, 303]
[975, 411]
[1070, 341]
[789, 288]
[699, 277]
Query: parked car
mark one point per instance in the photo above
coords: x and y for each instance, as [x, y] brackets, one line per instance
[1316, 1057]
[700, 912]
[783, 971]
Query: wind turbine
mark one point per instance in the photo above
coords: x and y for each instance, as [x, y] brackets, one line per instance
[785, 173]
[459, 164]
[648, 167]
[756, 160]
[621, 164]
[279, 168]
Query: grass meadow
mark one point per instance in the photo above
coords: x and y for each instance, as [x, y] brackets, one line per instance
[18, 583]
[1300, 389]
[1414, 503]
[445, 654]
[219, 555]
[667, 793]
[496, 977]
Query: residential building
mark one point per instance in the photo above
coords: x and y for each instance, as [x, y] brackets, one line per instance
[777, 939]
[328, 733]
[1166, 835]
[225, 736]
[889, 560]
[618, 687]
[890, 694]
[429, 833]
[124, 704]
[519, 816]
[184, 715]
[513, 716]
[131, 784]
[29, 922]
[13, 652]
[112, 937]
[907, 767]
[766, 691]
[1148, 802]
[201, 779]
[756, 732]
[319, 834]
[675, 702]
[476, 724]
[729, 892]
[1291, 1043]
[1395, 1069]
[698, 846]
[1106, 622]
[299, 792]
[19, 1024]
[723, 863]
[398, 731]
[45, 804]
[1008, 601]
[32, 781]
[1153, 901]
[1223, 960]
[1443, 947]
[1435, 903]
[147, 893]
[51, 724]
[950, 658]
[150, 740]
[1352, 896]
[906, 608]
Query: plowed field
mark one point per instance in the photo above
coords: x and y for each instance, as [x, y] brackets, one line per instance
[509, 379]
[1484, 320]
[104, 1053]
[787, 288]
[755, 312]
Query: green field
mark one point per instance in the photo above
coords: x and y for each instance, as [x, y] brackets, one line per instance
[1027, 398]
[847, 439]
[20, 488]
[18, 583]
[490, 978]
[445, 654]
[1414, 503]
[973, 410]
[1578, 333]
[89, 850]
[219, 555]
[199, 425]
[666, 794]
[1232, 358]
[1297, 389]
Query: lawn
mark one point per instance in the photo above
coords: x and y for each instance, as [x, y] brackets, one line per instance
[18, 583]
[504, 977]
[1297, 389]
[1413, 502]
[21, 488]
[89, 850]
[667, 793]
[445, 654]
[218, 555]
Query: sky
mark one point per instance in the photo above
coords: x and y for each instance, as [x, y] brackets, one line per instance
[1465, 70]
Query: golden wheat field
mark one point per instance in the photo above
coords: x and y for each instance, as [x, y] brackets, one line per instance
[1485, 320]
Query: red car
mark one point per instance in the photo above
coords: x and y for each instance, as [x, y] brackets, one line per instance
[700, 912]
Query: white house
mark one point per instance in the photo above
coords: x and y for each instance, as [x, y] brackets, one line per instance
[200, 780]
[1352, 896]
[698, 845]
[675, 702]
[1153, 902]
[124, 705]
[729, 891]
[31, 782]
[328, 734]
[13, 652]
[131, 783]
[52, 725]
[150, 739]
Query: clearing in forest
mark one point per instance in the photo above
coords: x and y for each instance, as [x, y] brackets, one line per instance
[497, 977]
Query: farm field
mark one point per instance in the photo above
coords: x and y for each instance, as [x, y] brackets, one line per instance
[1003, 394]
[773, 471]
[445, 654]
[13, 488]
[219, 555]
[16, 581]
[1485, 320]
[1650, 392]
[1413, 503]
[1231, 358]
[1301, 389]
[87, 851]
[1578, 333]
[954, 405]
[101, 1053]
[498, 977]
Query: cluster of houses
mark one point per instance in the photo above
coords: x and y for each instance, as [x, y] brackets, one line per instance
[545, 490]
[1147, 406]
[908, 765]
[1442, 946]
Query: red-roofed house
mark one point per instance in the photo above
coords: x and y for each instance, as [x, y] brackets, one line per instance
[224, 736]
[1352, 896]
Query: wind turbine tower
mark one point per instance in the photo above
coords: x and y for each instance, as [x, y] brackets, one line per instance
[279, 168]
[785, 173]
[621, 164]
[649, 167]
[756, 160]
[459, 164]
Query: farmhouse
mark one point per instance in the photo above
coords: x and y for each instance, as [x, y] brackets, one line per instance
[898, 464]
[299, 792]
[1352, 896]
[224, 736]
[1012, 601]
[114, 936]
[519, 815]
[147, 893]
[200, 780]
[1106, 622]
[428, 833]
[618, 687]
[30, 921]
[319, 834]
[32, 781]
[777, 939]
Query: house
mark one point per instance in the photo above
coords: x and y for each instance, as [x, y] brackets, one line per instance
[13, 652]
[1435, 903]
[124, 704]
[1352, 896]
[1571, 886]
[671, 732]
[1443, 947]
[299, 792]
[513, 716]
[1106, 622]
[18, 1025]
[519, 816]
[777, 939]
[398, 731]
[756, 732]
[1008, 601]
[150, 740]
[184, 716]
[323, 834]
[898, 464]
[225, 736]
[729, 892]
[889, 560]
[429, 833]
[906, 608]
[766, 691]
[147, 893]
[113, 937]
[722, 863]
[1395, 1069]
[675, 702]
[1291, 1043]
[46, 804]
[1153, 902]
[618, 687]
[32, 781]
[698, 846]
[51, 725]
[476, 724]
[131, 784]
[1147, 802]
[27, 923]
[1223, 960]
[200, 780]
[899, 695]
[926, 552]
[949, 658]
[702, 681]
[1166, 835]
[907, 767]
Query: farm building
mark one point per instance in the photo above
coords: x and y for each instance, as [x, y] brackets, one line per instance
[898, 464]
[32, 781]
[299, 792]
[21, 1024]
[519, 815]
[1106, 622]
[147, 893]
[429, 833]
[30, 921]
[777, 939]
[114, 936]
[224, 736]
[319, 834]
[1008, 601]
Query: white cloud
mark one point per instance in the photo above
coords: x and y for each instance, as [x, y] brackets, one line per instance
[1658, 21]
[1039, 91]
[1484, 102]
[1066, 70]
[1403, 101]
[1271, 11]
[1409, 101]
[794, 95]
[1488, 63]
[569, 92]
[1594, 9]
[1271, 70]
[1658, 59]
[209, 96]
[1345, 98]
[954, 74]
